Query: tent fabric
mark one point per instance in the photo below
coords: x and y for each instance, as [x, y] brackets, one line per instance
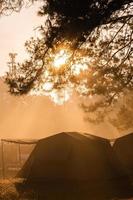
[76, 162]
[72, 157]
[123, 148]
[34, 141]
[19, 141]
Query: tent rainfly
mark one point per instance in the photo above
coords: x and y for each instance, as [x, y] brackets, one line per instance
[123, 148]
[74, 158]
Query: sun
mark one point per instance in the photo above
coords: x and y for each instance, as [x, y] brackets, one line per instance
[61, 58]
[60, 77]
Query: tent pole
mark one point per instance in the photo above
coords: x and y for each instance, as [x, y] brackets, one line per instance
[2, 159]
[19, 152]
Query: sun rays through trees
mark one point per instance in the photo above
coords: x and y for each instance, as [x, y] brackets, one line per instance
[84, 47]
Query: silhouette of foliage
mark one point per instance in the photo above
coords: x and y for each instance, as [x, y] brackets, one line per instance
[9, 6]
[96, 36]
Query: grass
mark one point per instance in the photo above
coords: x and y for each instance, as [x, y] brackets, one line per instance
[8, 191]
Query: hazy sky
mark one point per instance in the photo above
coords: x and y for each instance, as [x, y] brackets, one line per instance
[34, 117]
[14, 31]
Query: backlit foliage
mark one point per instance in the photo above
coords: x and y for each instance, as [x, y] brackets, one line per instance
[9, 6]
[84, 47]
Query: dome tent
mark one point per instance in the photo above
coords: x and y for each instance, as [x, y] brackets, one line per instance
[74, 159]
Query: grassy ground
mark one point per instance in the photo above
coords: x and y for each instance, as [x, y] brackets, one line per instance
[8, 192]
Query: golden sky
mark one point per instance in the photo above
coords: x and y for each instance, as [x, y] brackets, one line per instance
[14, 31]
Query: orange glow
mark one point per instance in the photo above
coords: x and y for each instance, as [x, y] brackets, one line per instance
[60, 97]
[61, 58]
[56, 80]
[77, 68]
